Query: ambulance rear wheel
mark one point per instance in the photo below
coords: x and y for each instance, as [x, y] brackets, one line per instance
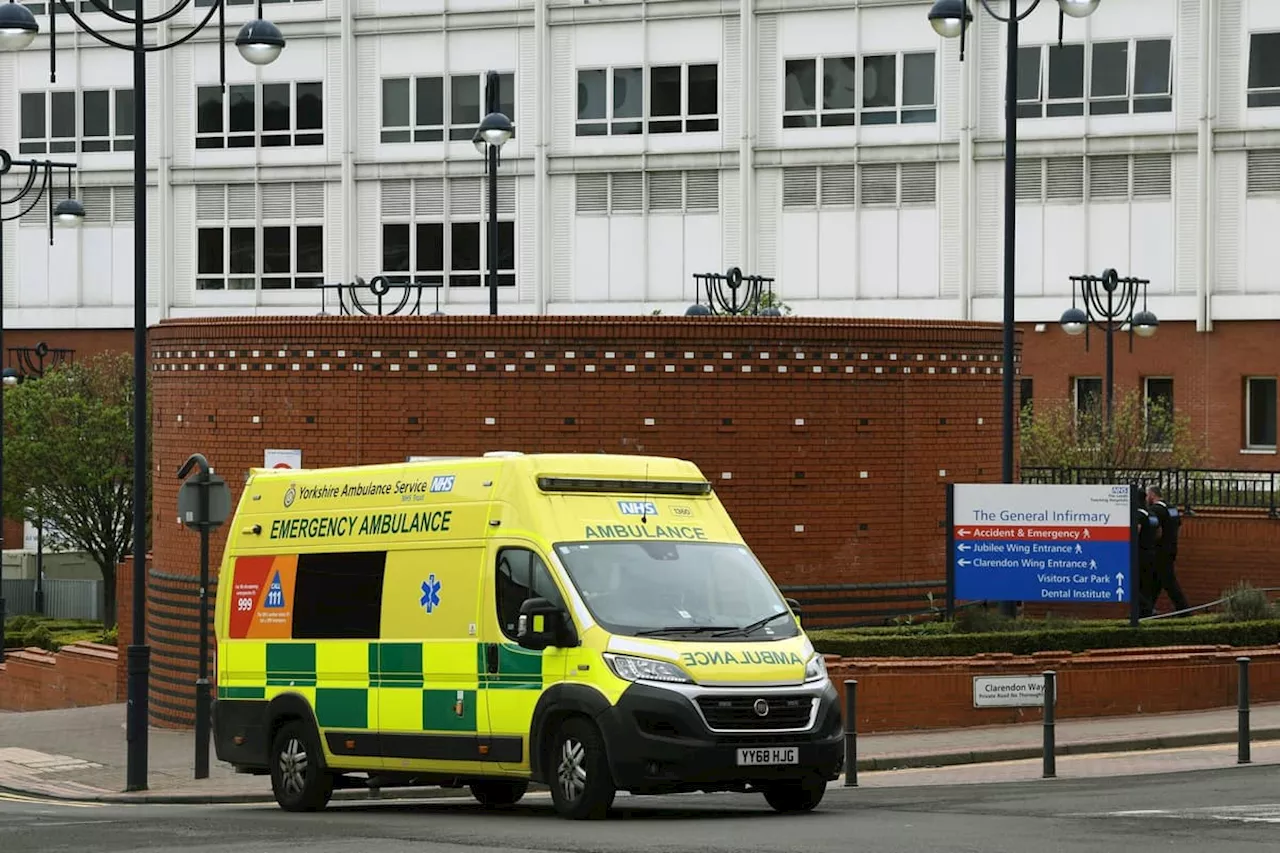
[495, 792]
[581, 785]
[298, 778]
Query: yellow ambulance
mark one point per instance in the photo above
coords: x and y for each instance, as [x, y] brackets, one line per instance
[591, 622]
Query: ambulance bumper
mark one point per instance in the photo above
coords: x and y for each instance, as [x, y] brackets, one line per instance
[659, 740]
[239, 732]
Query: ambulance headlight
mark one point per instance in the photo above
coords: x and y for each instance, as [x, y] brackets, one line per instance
[646, 669]
[816, 668]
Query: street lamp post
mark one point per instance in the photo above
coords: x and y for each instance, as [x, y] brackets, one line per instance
[1109, 303]
[38, 182]
[950, 19]
[260, 43]
[494, 131]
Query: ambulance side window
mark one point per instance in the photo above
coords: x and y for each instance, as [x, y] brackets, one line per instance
[521, 576]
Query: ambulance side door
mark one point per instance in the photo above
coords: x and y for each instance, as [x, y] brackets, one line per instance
[512, 678]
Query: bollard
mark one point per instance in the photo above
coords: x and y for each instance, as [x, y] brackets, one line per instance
[1242, 736]
[1050, 698]
[851, 734]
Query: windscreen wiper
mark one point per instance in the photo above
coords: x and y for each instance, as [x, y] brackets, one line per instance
[684, 629]
[756, 625]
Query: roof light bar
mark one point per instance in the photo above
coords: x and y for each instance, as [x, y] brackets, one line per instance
[624, 487]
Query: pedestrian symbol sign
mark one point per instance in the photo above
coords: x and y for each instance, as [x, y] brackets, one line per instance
[275, 593]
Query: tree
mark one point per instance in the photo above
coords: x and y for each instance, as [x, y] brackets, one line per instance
[68, 460]
[1145, 435]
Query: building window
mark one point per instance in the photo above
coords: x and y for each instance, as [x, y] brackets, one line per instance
[1144, 63]
[425, 109]
[227, 258]
[1264, 70]
[269, 236]
[106, 120]
[1088, 400]
[1260, 413]
[466, 103]
[290, 114]
[468, 254]
[207, 3]
[422, 244]
[86, 7]
[413, 109]
[610, 101]
[94, 120]
[292, 257]
[1026, 394]
[896, 88]
[48, 123]
[413, 253]
[1157, 405]
[521, 575]
[682, 99]
[1123, 77]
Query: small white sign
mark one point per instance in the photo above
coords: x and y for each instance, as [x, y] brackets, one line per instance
[283, 459]
[1009, 691]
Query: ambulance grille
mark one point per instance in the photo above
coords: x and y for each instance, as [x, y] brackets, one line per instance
[740, 713]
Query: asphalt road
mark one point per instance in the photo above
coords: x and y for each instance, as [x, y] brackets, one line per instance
[1228, 810]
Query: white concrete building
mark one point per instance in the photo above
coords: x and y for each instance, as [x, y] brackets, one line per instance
[837, 145]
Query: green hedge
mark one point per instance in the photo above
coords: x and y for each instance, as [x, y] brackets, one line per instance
[22, 632]
[941, 640]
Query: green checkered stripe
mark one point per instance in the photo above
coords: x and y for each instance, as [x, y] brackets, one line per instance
[397, 671]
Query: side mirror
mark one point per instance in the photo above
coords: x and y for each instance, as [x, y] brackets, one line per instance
[795, 606]
[542, 624]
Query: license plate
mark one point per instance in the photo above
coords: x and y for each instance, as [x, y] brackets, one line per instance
[768, 755]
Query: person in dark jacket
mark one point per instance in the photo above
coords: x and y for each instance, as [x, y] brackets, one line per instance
[1148, 538]
[1164, 578]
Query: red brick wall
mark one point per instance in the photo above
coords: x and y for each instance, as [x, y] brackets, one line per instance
[903, 694]
[1208, 371]
[843, 427]
[78, 675]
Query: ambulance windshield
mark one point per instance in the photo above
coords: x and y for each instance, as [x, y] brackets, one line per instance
[677, 591]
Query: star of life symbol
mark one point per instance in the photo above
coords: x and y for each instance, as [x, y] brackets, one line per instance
[430, 594]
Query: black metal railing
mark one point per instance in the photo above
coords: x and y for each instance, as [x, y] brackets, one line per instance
[1189, 488]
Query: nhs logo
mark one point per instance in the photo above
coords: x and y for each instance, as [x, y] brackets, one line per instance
[442, 483]
[638, 507]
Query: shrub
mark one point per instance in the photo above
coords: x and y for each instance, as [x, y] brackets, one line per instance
[1245, 603]
[1027, 638]
[40, 637]
[19, 624]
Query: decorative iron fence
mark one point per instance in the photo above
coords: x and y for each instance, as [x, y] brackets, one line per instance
[1189, 488]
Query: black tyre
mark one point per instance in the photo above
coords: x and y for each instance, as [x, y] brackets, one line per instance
[800, 795]
[298, 778]
[581, 785]
[498, 792]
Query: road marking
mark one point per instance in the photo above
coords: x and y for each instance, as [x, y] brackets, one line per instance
[6, 796]
[1257, 813]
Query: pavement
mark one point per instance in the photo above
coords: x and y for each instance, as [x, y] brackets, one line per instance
[1226, 810]
[79, 755]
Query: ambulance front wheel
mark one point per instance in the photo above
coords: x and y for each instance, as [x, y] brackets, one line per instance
[799, 795]
[298, 778]
[581, 785]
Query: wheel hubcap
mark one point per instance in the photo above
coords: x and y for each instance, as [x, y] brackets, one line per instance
[572, 771]
[293, 767]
